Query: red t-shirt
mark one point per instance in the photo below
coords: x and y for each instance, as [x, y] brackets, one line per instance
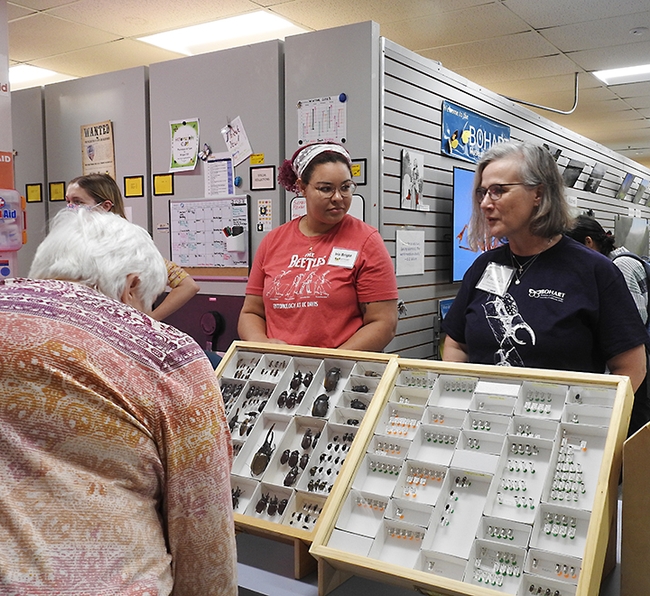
[312, 286]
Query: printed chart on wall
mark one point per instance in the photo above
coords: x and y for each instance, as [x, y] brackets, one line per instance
[322, 119]
[209, 237]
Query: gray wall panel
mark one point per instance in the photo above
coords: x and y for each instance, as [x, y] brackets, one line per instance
[327, 63]
[217, 87]
[29, 166]
[120, 97]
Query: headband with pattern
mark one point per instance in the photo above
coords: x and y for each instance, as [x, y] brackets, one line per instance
[304, 158]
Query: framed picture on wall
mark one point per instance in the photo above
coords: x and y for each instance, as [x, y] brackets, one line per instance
[163, 184]
[625, 187]
[262, 177]
[57, 191]
[595, 178]
[34, 193]
[572, 172]
[133, 186]
[359, 171]
[411, 179]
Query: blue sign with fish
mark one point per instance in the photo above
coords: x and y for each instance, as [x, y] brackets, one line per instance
[467, 135]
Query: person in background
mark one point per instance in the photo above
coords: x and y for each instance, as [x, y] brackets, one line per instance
[115, 450]
[100, 191]
[324, 279]
[540, 299]
[589, 232]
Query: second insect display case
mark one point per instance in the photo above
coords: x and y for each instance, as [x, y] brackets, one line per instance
[476, 480]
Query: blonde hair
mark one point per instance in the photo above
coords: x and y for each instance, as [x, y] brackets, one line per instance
[101, 187]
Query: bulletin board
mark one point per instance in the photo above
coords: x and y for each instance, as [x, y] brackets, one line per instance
[210, 237]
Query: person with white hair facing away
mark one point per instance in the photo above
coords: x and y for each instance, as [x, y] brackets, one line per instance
[115, 452]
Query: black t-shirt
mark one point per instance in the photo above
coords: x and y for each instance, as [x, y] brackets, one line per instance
[570, 311]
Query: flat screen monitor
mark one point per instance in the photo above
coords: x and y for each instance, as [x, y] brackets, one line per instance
[595, 178]
[625, 187]
[462, 255]
[572, 172]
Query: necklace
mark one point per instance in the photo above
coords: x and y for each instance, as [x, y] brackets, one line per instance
[521, 268]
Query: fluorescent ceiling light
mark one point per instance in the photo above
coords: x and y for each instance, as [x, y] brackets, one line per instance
[24, 76]
[237, 31]
[620, 76]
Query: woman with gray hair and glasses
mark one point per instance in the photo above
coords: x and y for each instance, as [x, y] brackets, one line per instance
[540, 299]
[115, 451]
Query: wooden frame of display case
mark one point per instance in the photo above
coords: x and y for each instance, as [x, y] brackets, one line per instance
[301, 539]
[335, 565]
[635, 535]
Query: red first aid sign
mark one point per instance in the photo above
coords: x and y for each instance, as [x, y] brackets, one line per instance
[6, 170]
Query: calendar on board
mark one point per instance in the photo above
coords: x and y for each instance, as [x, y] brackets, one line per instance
[211, 234]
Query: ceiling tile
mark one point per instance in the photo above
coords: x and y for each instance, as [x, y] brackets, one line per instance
[549, 13]
[631, 89]
[640, 103]
[599, 34]
[142, 17]
[41, 35]
[41, 4]
[488, 21]
[613, 56]
[16, 12]
[333, 13]
[486, 52]
[125, 53]
[519, 69]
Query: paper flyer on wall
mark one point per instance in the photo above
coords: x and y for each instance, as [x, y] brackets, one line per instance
[237, 141]
[97, 149]
[218, 175]
[184, 144]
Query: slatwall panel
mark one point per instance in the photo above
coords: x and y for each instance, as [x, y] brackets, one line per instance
[413, 91]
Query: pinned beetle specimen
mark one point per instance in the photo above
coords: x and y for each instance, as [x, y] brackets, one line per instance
[306, 439]
[307, 379]
[290, 402]
[293, 458]
[233, 421]
[357, 404]
[261, 504]
[332, 379]
[321, 405]
[290, 478]
[273, 506]
[282, 399]
[360, 388]
[263, 456]
[304, 460]
[282, 505]
[236, 493]
[296, 381]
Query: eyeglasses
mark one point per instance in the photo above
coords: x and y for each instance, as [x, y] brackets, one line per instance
[74, 205]
[496, 191]
[346, 190]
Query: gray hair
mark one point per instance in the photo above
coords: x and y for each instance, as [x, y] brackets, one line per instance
[537, 168]
[100, 250]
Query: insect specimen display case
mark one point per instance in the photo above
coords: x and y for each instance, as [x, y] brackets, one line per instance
[446, 478]
[477, 480]
[294, 414]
